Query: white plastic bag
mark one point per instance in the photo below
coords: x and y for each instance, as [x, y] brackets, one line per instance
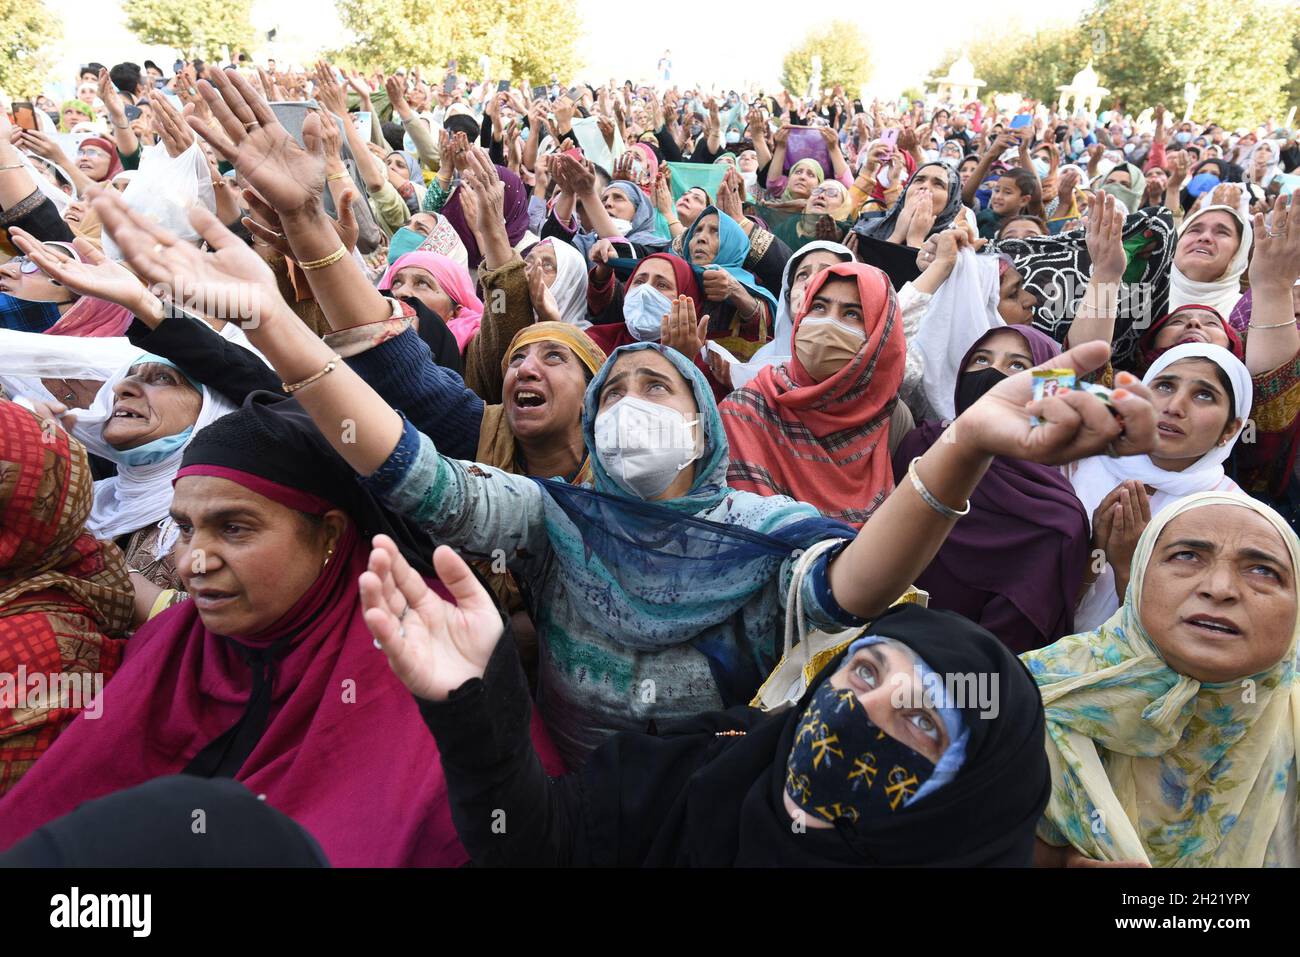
[165, 189]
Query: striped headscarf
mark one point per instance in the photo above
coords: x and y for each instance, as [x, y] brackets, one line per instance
[825, 443]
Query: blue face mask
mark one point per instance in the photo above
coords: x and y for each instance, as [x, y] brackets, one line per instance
[1041, 167]
[154, 452]
[1183, 136]
[644, 308]
[403, 241]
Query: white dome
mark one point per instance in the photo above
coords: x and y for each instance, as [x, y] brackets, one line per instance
[1085, 79]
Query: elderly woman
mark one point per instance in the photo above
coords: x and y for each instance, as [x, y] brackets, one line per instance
[65, 598]
[661, 586]
[136, 410]
[267, 674]
[1171, 726]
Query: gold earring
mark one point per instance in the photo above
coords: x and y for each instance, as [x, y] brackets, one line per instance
[328, 555]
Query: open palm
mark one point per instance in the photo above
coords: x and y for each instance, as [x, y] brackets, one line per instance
[247, 134]
[433, 647]
[231, 283]
[95, 275]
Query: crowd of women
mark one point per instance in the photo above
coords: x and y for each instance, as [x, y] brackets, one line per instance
[626, 475]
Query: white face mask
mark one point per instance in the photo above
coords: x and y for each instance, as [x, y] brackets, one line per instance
[643, 446]
[624, 226]
[644, 308]
[751, 179]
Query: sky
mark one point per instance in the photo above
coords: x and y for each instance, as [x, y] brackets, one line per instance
[94, 29]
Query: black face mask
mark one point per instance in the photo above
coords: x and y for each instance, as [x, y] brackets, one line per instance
[972, 385]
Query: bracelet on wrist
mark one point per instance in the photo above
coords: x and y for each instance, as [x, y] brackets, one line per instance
[330, 366]
[927, 496]
[321, 263]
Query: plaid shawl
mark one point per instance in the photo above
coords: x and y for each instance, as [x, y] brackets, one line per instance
[825, 443]
[65, 598]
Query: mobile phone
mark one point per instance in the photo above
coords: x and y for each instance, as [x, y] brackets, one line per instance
[573, 94]
[25, 115]
[890, 138]
[1020, 121]
[503, 85]
[449, 84]
[539, 92]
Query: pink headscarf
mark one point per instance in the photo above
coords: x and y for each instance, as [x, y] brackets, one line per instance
[652, 168]
[455, 282]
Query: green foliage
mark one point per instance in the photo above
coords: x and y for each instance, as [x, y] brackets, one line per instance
[523, 39]
[28, 28]
[844, 54]
[1245, 56]
[1238, 53]
[192, 27]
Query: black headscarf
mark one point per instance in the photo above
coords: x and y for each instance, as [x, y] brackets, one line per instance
[727, 808]
[274, 438]
[881, 227]
[153, 825]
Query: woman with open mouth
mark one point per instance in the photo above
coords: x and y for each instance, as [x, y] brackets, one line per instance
[1171, 726]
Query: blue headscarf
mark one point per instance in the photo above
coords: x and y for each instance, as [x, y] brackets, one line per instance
[643, 231]
[733, 247]
[704, 568]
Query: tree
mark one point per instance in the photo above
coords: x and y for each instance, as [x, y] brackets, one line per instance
[1015, 60]
[1144, 51]
[28, 29]
[1293, 69]
[844, 55]
[522, 38]
[192, 27]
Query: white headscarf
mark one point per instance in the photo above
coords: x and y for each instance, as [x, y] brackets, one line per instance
[1273, 168]
[961, 310]
[139, 495]
[1222, 293]
[1096, 477]
[570, 287]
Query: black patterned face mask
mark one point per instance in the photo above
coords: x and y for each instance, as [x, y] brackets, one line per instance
[843, 766]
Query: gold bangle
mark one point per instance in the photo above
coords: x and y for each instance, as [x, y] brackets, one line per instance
[329, 260]
[329, 367]
[341, 174]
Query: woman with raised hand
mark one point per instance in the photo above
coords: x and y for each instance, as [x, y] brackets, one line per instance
[632, 632]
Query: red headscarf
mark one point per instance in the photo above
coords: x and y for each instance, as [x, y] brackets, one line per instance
[825, 443]
[1148, 353]
[344, 752]
[609, 336]
[114, 161]
[65, 599]
[652, 168]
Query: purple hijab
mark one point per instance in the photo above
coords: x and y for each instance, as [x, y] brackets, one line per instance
[515, 208]
[1015, 563]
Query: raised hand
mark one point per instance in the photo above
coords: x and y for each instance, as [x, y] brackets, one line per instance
[396, 90]
[1105, 239]
[543, 300]
[1276, 260]
[681, 331]
[172, 129]
[329, 93]
[1073, 424]
[230, 283]
[95, 275]
[247, 134]
[432, 646]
